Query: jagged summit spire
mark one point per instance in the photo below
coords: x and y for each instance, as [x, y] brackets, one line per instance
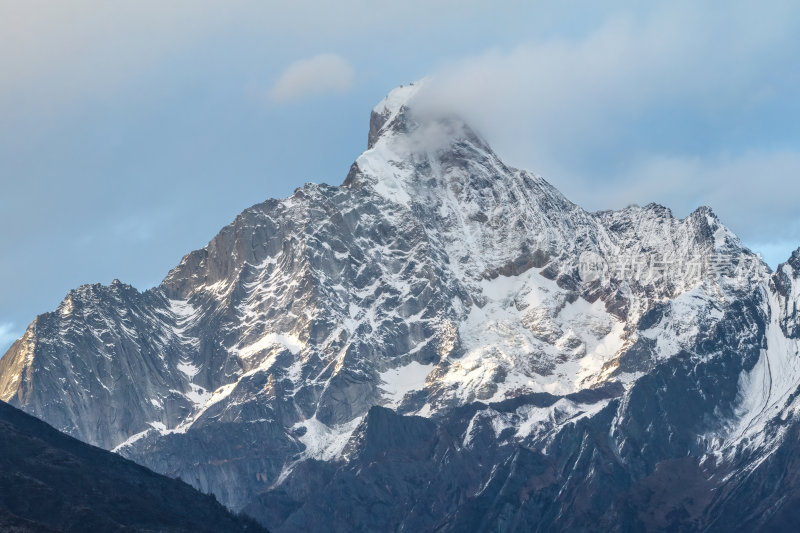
[388, 109]
[416, 150]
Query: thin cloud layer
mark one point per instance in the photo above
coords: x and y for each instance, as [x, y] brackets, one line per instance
[650, 109]
[317, 75]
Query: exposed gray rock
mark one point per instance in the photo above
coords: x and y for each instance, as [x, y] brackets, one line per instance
[442, 343]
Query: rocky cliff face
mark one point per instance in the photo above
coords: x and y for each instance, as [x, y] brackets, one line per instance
[441, 342]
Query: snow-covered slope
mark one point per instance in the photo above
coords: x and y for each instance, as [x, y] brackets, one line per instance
[434, 280]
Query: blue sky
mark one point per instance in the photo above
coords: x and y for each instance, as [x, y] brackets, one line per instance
[130, 133]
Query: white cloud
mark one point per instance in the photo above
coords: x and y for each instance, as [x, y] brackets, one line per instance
[586, 90]
[7, 336]
[639, 110]
[744, 183]
[320, 74]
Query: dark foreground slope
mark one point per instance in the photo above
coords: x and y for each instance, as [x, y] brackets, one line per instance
[52, 482]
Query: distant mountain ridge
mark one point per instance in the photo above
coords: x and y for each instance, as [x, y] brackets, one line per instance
[442, 341]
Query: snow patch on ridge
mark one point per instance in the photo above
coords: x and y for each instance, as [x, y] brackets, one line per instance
[388, 172]
[765, 389]
[198, 395]
[686, 314]
[529, 336]
[130, 440]
[393, 102]
[288, 341]
[188, 369]
[397, 382]
[531, 422]
[324, 442]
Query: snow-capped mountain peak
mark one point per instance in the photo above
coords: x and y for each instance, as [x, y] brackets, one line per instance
[388, 110]
[474, 300]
